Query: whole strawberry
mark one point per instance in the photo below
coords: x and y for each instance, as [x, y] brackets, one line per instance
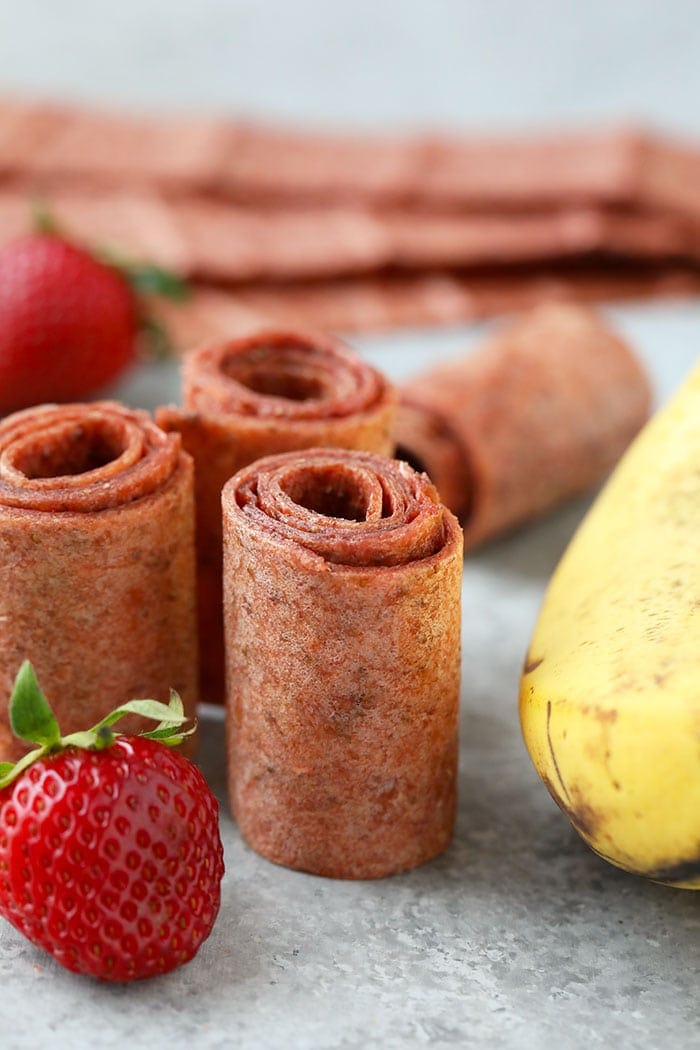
[69, 323]
[110, 854]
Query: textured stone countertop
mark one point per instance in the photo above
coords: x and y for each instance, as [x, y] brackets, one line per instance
[517, 937]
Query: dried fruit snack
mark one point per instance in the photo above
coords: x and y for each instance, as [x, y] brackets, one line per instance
[217, 241]
[97, 551]
[376, 302]
[342, 586]
[539, 414]
[42, 143]
[273, 390]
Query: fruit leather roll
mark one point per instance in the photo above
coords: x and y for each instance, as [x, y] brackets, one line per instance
[536, 416]
[268, 391]
[381, 302]
[342, 580]
[97, 561]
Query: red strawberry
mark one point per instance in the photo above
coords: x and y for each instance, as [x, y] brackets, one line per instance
[110, 854]
[68, 322]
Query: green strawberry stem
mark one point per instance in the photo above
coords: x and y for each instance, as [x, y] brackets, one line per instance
[148, 280]
[33, 720]
[43, 219]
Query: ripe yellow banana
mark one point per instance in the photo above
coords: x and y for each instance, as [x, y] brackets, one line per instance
[610, 693]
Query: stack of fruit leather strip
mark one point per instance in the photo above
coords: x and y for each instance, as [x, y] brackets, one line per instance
[354, 232]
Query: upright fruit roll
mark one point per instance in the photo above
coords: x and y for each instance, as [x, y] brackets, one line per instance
[342, 583]
[538, 415]
[266, 392]
[97, 561]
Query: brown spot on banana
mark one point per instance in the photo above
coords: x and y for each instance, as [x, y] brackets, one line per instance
[581, 815]
[601, 714]
[553, 755]
[682, 871]
[531, 664]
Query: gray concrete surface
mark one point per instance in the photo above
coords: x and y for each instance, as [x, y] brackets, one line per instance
[518, 937]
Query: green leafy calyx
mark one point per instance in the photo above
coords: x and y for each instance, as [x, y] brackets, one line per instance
[33, 720]
[146, 282]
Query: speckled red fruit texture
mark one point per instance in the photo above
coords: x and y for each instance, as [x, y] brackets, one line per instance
[97, 562]
[538, 415]
[342, 586]
[112, 860]
[270, 391]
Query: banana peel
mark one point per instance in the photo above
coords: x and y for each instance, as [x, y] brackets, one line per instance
[610, 690]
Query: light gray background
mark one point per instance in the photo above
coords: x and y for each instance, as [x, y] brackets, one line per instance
[518, 936]
[479, 63]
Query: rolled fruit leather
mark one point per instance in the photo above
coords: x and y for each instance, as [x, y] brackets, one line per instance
[97, 561]
[342, 585]
[271, 390]
[538, 415]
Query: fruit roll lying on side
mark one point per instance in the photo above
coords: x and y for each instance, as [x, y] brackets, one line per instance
[269, 391]
[97, 561]
[538, 415]
[342, 585]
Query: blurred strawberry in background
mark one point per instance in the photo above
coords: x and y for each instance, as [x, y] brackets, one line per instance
[69, 323]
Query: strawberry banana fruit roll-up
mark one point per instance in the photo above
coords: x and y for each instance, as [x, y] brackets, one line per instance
[342, 586]
[268, 391]
[97, 561]
[538, 415]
